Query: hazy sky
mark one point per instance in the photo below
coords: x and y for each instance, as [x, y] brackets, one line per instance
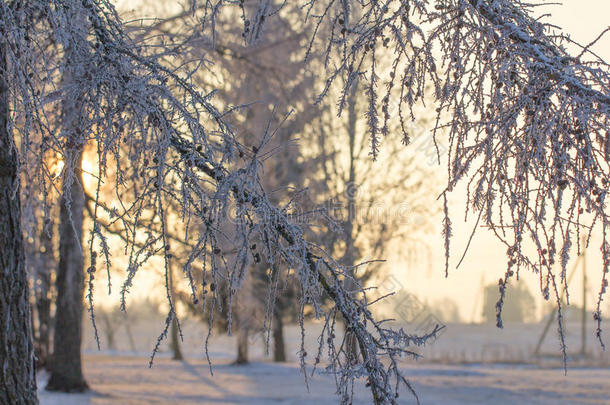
[584, 20]
[486, 262]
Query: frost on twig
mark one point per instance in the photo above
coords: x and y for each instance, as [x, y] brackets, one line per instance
[160, 142]
[527, 125]
[527, 122]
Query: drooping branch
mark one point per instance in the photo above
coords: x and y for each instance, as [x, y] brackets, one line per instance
[354, 311]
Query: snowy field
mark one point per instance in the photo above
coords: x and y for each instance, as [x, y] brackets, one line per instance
[128, 381]
[468, 364]
[458, 343]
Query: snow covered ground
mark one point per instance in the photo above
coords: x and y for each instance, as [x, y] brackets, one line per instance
[458, 368]
[127, 381]
[458, 343]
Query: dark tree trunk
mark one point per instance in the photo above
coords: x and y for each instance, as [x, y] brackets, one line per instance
[242, 346]
[174, 331]
[351, 346]
[279, 348]
[42, 295]
[175, 341]
[17, 375]
[66, 367]
[240, 320]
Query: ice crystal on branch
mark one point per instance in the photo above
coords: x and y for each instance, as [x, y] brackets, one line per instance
[527, 121]
[527, 125]
[160, 141]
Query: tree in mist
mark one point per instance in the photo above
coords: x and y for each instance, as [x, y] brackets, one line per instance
[176, 335]
[114, 321]
[271, 80]
[447, 310]
[526, 122]
[519, 304]
[369, 211]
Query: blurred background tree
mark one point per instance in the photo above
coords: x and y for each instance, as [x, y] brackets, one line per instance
[519, 304]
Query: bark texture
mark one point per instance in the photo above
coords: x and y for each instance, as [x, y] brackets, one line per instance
[17, 375]
[66, 366]
[42, 296]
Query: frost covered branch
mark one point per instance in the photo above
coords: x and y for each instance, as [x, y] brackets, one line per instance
[527, 122]
[527, 125]
[158, 139]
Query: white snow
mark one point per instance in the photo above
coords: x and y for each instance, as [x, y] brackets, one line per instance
[127, 381]
[122, 377]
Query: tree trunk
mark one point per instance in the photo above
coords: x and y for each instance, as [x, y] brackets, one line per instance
[352, 352]
[242, 345]
[66, 367]
[42, 295]
[174, 331]
[17, 376]
[175, 341]
[132, 343]
[109, 329]
[351, 343]
[240, 320]
[279, 347]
